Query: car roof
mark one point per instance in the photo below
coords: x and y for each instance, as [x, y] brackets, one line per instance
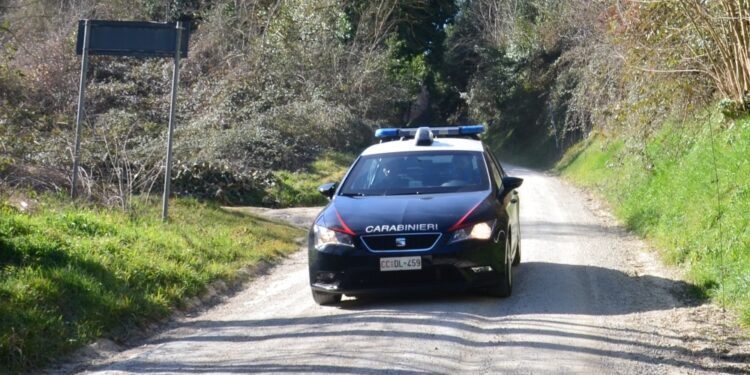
[438, 144]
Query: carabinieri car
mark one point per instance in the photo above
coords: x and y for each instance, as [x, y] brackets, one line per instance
[424, 209]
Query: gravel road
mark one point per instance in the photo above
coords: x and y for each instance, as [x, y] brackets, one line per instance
[588, 298]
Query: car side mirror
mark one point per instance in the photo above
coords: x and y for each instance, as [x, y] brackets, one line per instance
[328, 189]
[510, 183]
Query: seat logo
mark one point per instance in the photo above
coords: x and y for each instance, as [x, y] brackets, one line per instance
[400, 242]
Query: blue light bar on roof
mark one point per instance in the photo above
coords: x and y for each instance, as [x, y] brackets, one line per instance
[471, 129]
[386, 133]
[437, 131]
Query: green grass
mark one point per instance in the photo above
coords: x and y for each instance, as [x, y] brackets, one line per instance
[295, 189]
[70, 275]
[668, 193]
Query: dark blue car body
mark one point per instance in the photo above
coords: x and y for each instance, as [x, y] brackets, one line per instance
[419, 226]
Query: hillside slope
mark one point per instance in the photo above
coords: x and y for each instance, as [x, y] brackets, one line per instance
[688, 192]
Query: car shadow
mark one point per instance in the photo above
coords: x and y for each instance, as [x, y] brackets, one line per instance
[552, 288]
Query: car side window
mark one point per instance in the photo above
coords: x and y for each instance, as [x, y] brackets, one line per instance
[496, 175]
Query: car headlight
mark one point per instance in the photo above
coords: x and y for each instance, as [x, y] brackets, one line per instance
[325, 236]
[478, 231]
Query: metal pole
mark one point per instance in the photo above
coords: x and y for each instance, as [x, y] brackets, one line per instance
[81, 99]
[175, 83]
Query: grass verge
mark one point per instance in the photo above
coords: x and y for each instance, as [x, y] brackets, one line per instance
[300, 189]
[687, 190]
[70, 275]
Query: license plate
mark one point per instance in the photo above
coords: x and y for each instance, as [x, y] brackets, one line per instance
[401, 264]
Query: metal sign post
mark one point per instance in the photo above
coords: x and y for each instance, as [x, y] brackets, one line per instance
[172, 105]
[81, 98]
[139, 39]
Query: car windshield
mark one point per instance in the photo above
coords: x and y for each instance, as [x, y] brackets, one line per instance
[417, 173]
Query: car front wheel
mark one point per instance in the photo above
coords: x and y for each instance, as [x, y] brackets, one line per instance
[505, 286]
[517, 258]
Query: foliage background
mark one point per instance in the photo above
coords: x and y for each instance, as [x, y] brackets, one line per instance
[273, 85]
[268, 85]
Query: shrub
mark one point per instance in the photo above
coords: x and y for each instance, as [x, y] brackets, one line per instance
[218, 182]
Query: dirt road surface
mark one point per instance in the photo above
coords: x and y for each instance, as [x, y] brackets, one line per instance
[588, 298]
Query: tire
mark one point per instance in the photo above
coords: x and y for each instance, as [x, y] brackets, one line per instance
[326, 299]
[517, 258]
[505, 286]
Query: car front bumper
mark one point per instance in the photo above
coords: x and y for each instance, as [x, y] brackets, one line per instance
[354, 271]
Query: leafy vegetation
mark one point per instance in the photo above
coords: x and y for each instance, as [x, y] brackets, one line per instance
[687, 192]
[632, 82]
[544, 74]
[71, 274]
[267, 86]
[271, 86]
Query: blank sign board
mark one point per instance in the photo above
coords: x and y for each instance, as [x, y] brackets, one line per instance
[131, 38]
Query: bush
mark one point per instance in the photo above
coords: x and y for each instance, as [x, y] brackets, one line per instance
[732, 109]
[287, 137]
[212, 181]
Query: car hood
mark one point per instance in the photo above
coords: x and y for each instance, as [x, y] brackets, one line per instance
[403, 213]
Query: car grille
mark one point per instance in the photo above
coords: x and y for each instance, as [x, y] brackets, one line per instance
[400, 242]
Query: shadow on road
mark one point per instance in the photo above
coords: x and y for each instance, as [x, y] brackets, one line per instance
[250, 368]
[547, 334]
[549, 288]
[527, 321]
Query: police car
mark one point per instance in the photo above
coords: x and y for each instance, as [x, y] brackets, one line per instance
[425, 209]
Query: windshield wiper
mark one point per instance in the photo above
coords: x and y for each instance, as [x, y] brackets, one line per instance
[353, 194]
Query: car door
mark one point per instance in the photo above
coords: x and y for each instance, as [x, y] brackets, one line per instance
[515, 201]
[510, 201]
